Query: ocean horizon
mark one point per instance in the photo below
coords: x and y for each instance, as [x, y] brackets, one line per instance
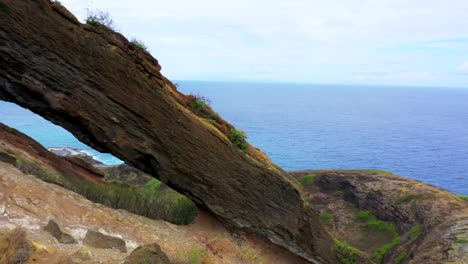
[416, 132]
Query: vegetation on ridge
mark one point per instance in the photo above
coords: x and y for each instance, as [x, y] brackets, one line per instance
[347, 254]
[238, 138]
[99, 17]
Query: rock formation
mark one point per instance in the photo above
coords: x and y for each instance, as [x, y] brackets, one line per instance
[111, 95]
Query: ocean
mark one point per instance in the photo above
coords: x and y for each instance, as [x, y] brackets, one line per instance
[416, 132]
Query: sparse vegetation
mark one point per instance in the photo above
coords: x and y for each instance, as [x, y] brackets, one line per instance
[195, 255]
[249, 254]
[416, 231]
[463, 197]
[139, 44]
[403, 255]
[377, 172]
[200, 106]
[347, 254]
[308, 179]
[461, 240]
[365, 215]
[238, 138]
[327, 218]
[372, 223]
[404, 199]
[147, 201]
[99, 17]
[382, 251]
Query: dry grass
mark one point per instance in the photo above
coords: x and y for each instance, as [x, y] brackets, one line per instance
[15, 248]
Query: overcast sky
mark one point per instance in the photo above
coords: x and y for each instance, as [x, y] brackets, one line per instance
[393, 42]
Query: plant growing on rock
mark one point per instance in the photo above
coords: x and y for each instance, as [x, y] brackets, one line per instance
[308, 179]
[99, 17]
[347, 254]
[238, 138]
[139, 44]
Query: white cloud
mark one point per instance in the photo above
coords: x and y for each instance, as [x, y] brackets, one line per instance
[463, 69]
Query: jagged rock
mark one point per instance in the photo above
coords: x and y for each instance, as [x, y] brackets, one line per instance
[14, 247]
[99, 240]
[62, 237]
[148, 254]
[84, 77]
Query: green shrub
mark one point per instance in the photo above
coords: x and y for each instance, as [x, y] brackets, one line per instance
[403, 255]
[404, 199]
[327, 218]
[99, 17]
[365, 215]
[416, 231]
[308, 179]
[463, 197]
[117, 182]
[461, 240]
[139, 44]
[347, 254]
[382, 251]
[238, 138]
[153, 185]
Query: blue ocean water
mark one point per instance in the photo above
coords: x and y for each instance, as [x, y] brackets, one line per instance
[420, 133]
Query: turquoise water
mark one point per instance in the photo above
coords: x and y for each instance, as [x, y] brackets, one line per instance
[420, 133]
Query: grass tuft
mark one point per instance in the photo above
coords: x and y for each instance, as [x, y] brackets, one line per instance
[461, 240]
[463, 197]
[404, 199]
[382, 251]
[327, 218]
[347, 254]
[308, 179]
[416, 231]
[403, 255]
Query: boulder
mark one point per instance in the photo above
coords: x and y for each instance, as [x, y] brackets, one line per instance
[99, 240]
[53, 228]
[148, 254]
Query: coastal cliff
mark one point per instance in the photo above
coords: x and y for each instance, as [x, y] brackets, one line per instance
[111, 95]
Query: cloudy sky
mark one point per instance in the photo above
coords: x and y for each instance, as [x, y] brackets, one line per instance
[392, 42]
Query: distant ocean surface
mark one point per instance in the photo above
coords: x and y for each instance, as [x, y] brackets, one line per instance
[420, 133]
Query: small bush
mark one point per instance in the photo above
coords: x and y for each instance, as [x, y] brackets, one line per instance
[327, 218]
[99, 17]
[416, 231]
[117, 183]
[153, 185]
[382, 251]
[347, 254]
[461, 240]
[308, 179]
[403, 255]
[365, 215]
[238, 138]
[139, 44]
[404, 199]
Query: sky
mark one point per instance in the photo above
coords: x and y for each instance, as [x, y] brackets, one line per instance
[389, 42]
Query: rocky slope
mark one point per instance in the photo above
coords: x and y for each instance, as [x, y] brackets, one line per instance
[111, 95]
[390, 218]
[29, 203]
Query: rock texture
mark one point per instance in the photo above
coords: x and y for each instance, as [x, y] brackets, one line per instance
[148, 254]
[62, 237]
[100, 240]
[441, 216]
[111, 95]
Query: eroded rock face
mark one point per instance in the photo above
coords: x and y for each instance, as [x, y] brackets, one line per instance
[149, 254]
[111, 95]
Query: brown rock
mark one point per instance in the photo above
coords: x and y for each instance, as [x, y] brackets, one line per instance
[61, 236]
[99, 240]
[84, 77]
[148, 254]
